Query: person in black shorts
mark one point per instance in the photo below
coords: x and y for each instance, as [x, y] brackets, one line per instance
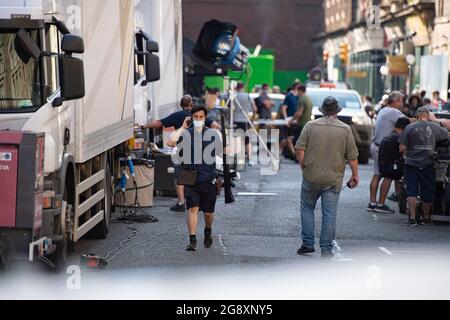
[176, 121]
[391, 164]
[201, 195]
[418, 142]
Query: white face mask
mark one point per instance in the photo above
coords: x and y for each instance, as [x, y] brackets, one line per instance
[199, 124]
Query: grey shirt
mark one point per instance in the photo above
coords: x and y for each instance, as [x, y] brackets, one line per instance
[386, 120]
[245, 102]
[420, 139]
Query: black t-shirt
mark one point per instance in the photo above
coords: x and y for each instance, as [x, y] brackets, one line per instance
[177, 119]
[263, 112]
[203, 147]
[390, 149]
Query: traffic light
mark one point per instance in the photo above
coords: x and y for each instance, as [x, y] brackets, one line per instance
[344, 52]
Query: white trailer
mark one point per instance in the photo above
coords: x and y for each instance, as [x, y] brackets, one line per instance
[86, 116]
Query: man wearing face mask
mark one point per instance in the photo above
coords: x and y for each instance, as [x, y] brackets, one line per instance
[176, 120]
[201, 195]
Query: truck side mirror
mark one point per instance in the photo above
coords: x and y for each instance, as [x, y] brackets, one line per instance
[152, 46]
[72, 44]
[71, 70]
[71, 77]
[152, 68]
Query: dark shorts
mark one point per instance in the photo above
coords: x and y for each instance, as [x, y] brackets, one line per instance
[421, 181]
[387, 170]
[177, 170]
[294, 131]
[244, 127]
[201, 196]
[283, 133]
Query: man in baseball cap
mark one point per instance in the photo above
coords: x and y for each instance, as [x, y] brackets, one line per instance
[418, 141]
[324, 147]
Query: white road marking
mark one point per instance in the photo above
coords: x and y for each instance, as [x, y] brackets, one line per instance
[224, 249]
[336, 245]
[389, 253]
[338, 254]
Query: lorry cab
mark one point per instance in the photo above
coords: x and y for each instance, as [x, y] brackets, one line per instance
[68, 104]
[73, 76]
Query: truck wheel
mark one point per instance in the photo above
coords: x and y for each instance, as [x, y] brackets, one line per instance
[364, 156]
[100, 231]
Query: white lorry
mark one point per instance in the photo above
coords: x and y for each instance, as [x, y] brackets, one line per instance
[68, 80]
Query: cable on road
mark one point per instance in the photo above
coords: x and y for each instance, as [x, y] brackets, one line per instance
[131, 215]
[110, 256]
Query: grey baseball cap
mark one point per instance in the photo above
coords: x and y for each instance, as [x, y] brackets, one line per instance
[330, 106]
[422, 110]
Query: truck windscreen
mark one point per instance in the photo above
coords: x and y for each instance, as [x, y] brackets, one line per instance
[19, 75]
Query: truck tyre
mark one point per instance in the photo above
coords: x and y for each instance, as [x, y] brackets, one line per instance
[364, 156]
[100, 231]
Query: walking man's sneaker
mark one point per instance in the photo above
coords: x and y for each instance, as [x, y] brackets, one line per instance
[305, 250]
[192, 246]
[382, 208]
[208, 239]
[427, 222]
[412, 223]
[178, 208]
[371, 207]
